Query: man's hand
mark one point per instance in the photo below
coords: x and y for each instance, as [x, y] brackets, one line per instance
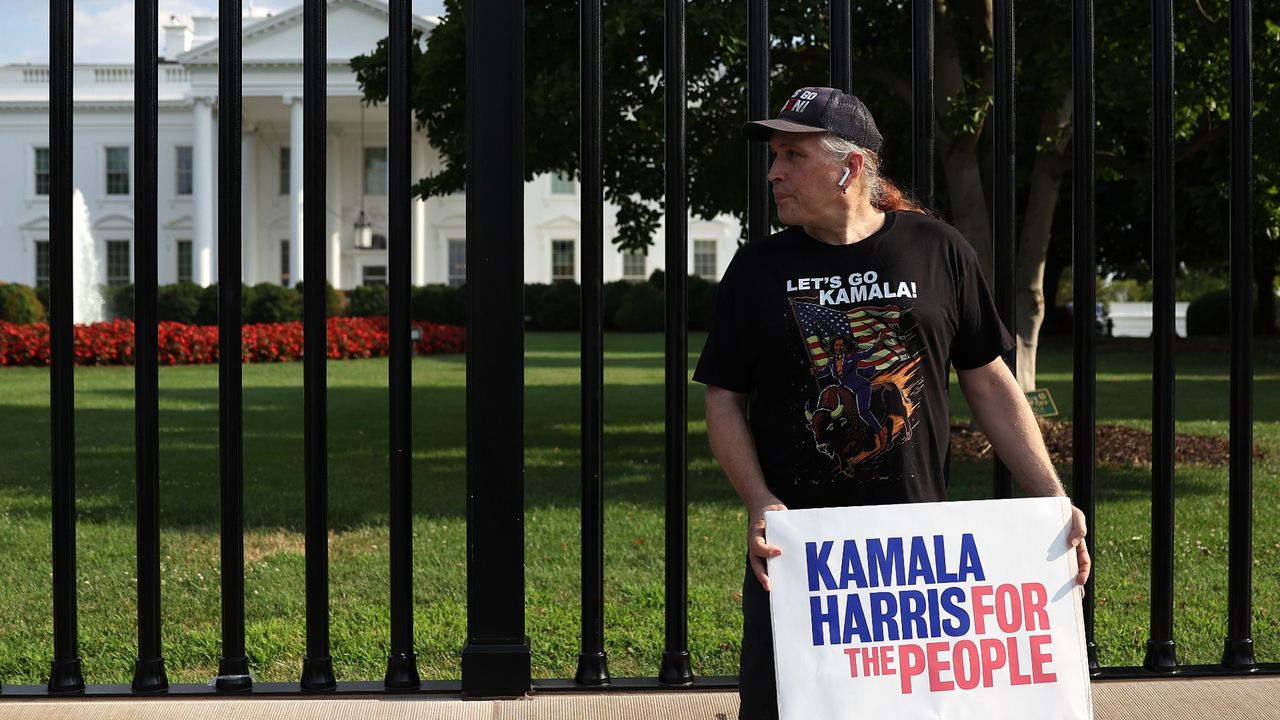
[757, 547]
[1076, 539]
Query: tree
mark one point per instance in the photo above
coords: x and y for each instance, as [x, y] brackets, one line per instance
[716, 81]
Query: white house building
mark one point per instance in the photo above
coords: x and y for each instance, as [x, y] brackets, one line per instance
[104, 169]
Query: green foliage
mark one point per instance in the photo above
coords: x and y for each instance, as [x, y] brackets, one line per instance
[179, 302]
[118, 300]
[19, 304]
[333, 302]
[270, 303]
[612, 296]
[207, 310]
[367, 301]
[439, 304]
[1210, 314]
[642, 310]
[42, 294]
[558, 307]
[702, 303]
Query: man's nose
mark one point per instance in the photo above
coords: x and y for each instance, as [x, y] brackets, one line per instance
[775, 172]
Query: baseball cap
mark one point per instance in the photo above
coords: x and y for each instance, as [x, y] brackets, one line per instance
[821, 109]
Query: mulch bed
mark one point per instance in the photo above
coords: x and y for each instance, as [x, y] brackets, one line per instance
[1116, 445]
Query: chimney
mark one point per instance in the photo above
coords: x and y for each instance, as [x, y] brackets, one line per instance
[177, 38]
[205, 28]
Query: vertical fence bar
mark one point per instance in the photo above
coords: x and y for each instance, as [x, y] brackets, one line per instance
[402, 665]
[1160, 654]
[65, 675]
[1237, 652]
[1084, 262]
[676, 667]
[148, 671]
[317, 667]
[841, 45]
[233, 663]
[593, 668]
[1004, 204]
[757, 109]
[496, 660]
[922, 135]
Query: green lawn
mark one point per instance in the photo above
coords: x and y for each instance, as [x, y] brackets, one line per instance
[634, 525]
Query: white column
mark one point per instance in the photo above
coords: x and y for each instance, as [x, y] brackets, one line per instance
[419, 250]
[202, 173]
[249, 205]
[295, 188]
[336, 221]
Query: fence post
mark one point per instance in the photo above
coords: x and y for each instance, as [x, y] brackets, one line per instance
[495, 660]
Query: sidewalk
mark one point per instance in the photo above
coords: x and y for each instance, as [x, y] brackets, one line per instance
[1172, 699]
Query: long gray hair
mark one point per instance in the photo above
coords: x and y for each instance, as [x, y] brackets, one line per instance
[838, 150]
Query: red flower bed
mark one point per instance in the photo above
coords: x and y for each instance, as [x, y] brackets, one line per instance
[111, 343]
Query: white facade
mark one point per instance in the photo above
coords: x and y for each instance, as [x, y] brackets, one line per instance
[272, 171]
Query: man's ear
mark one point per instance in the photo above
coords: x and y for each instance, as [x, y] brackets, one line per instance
[855, 162]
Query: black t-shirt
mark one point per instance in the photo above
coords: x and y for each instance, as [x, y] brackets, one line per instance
[845, 350]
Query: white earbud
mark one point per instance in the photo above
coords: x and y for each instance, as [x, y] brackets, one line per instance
[843, 178]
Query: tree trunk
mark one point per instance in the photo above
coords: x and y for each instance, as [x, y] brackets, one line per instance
[958, 147]
[1033, 246]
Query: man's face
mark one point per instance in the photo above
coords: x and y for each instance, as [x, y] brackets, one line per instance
[804, 180]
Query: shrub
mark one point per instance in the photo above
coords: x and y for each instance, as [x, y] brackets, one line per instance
[439, 303]
[702, 303]
[642, 310]
[559, 309]
[207, 307]
[118, 301]
[271, 303]
[42, 294]
[19, 304]
[615, 293]
[179, 302]
[333, 302]
[367, 301]
[1209, 315]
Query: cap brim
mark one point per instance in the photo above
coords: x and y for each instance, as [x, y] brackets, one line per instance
[762, 130]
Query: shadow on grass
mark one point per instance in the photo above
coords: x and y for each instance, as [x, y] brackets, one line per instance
[357, 455]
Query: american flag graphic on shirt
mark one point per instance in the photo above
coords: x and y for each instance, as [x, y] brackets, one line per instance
[872, 329]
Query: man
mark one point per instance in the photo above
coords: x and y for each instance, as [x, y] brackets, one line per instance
[858, 261]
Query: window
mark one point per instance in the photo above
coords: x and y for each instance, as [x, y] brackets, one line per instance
[183, 179]
[378, 241]
[375, 171]
[117, 171]
[373, 275]
[284, 171]
[42, 263]
[284, 263]
[704, 259]
[633, 265]
[563, 184]
[118, 262]
[562, 260]
[184, 261]
[457, 262]
[42, 171]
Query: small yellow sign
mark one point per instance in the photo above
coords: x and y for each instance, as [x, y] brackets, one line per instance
[1042, 402]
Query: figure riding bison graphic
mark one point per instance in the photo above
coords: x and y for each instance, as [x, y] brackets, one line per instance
[866, 385]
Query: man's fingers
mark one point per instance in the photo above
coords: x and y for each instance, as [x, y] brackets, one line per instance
[1084, 564]
[762, 571]
[1079, 529]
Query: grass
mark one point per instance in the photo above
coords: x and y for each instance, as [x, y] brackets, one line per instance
[634, 515]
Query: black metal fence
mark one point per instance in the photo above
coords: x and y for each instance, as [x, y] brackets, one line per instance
[496, 658]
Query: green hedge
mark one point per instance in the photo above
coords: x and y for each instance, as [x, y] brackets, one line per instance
[1209, 315]
[627, 306]
[19, 304]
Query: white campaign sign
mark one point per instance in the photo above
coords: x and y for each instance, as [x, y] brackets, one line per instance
[945, 611]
